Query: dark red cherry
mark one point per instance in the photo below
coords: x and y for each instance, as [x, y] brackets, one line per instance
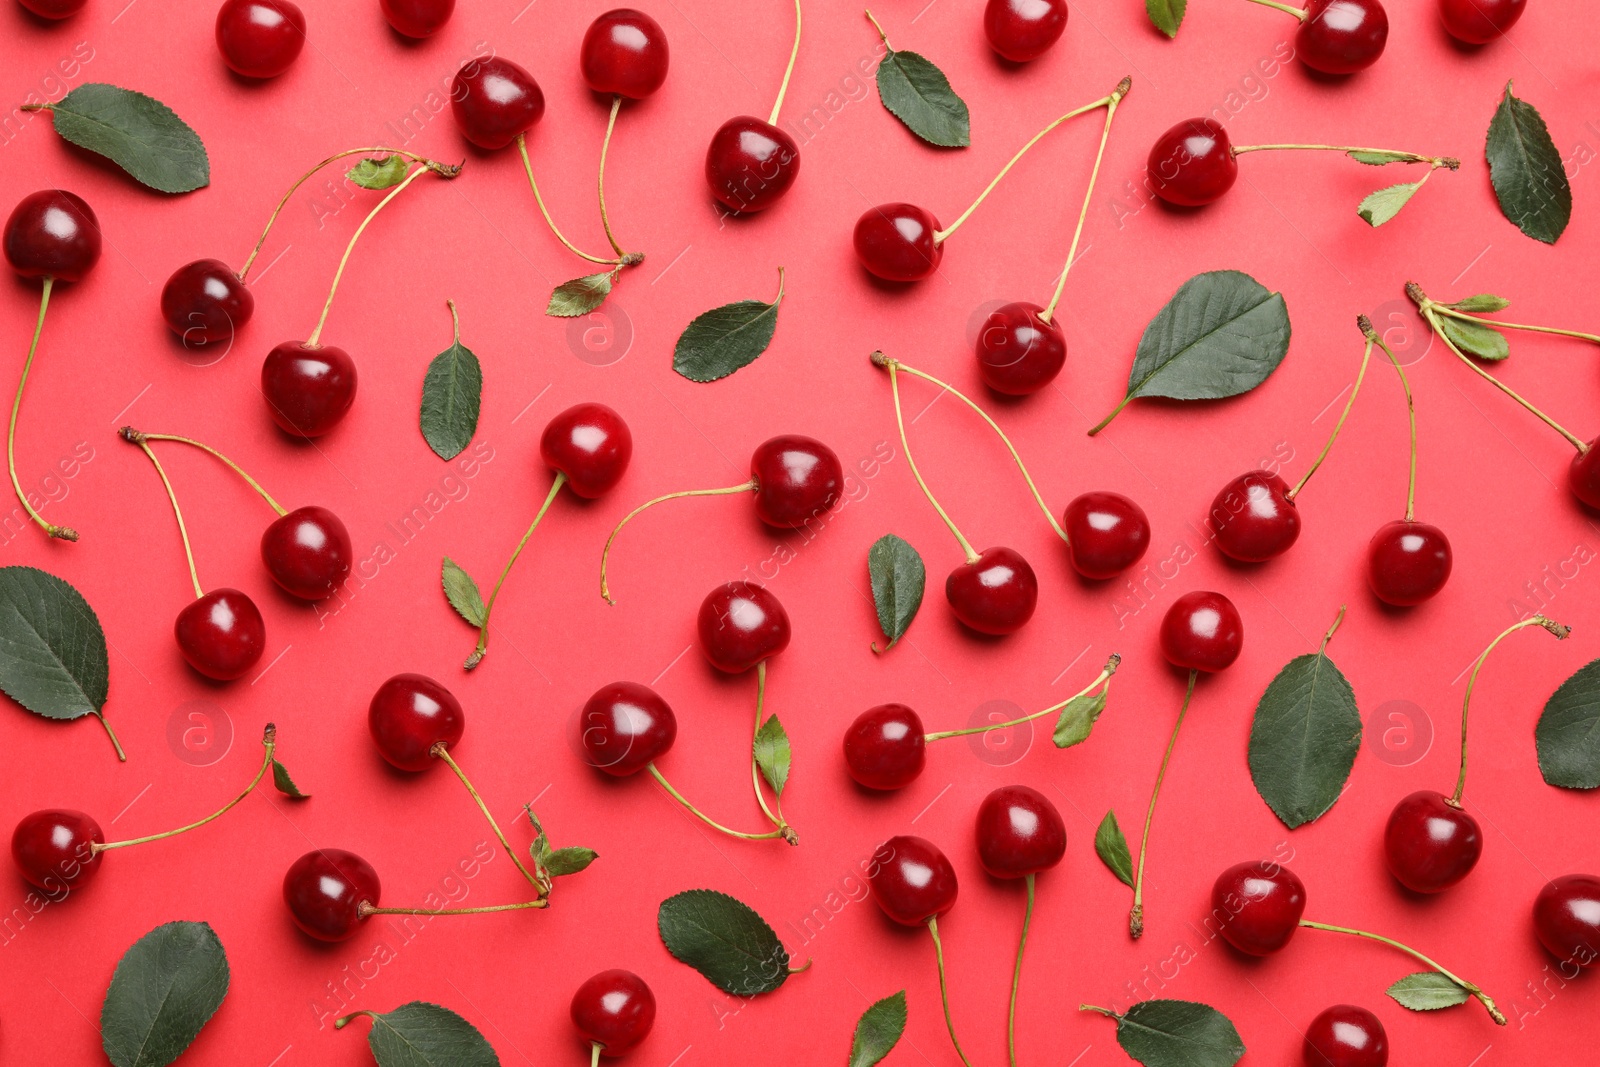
[885, 748]
[1342, 36]
[1345, 1036]
[205, 301]
[625, 727]
[308, 552]
[308, 388]
[1429, 843]
[1479, 21]
[1019, 353]
[55, 848]
[797, 480]
[1193, 163]
[260, 38]
[591, 445]
[624, 54]
[493, 100]
[417, 18]
[1259, 906]
[1106, 534]
[1019, 832]
[1583, 477]
[995, 594]
[751, 164]
[52, 234]
[54, 9]
[1408, 562]
[1253, 517]
[1566, 916]
[221, 634]
[615, 1010]
[911, 880]
[896, 242]
[741, 624]
[325, 890]
[408, 715]
[1020, 30]
[1202, 631]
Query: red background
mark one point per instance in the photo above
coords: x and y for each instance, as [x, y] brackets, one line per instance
[1490, 476]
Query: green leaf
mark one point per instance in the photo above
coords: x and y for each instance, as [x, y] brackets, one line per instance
[137, 133]
[1112, 848]
[1379, 207]
[1379, 157]
[1427, 991]
[898, 579]
[724, 339]
[1304, 739]
[1568, 734]
[52, 651]
[581, 295]
[1481, 303]
[284, 784]
[724, 940]
[771, 748]
[878, 1030]
[1178, 1033]
[452, 393]
[1526, 170]
[569, 860]
[918, 94]
[165, 989]
[419, 1034]
[379, 172]
[462, 592]
[1166, 15]
[1475, 339]
[1078, 718]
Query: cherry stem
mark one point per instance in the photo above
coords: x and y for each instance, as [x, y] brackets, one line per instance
[269, 741]
[129, 433]
[944, 987]
[1559, 631]
[1104, 679]
[1366, 357]
[893, 366]
[1331, 630]
[483, 631]
[1298, 13]
[65, 533]
[365, 909]
[527, 164]
[441, 751]
[743, 487]
[958, 394]
[703, 817]
[121, 755]
[794, 53]
[1411, 410]
[1072, 252]
[183, 530]
[1454, 314]
[594, 1053]
[1107, 1012]
[774, 814]
[1016, 974]
[605, 147]
[1435, 162]
[327, 306]
[1483, 998]
[1136, 916]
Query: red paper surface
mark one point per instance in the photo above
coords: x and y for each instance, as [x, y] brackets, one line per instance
[1489, 475]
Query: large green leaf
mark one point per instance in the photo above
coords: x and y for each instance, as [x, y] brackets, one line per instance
[1427, 991]
[1166, 15]
[1526, 170]
[136, 132]
[898, 580]
[918, 94]
[165, 989]
[1568, 734]
[1304, 739]
[725, 940]
[452, 393]
[52, 651]
[1178, 1033]
[420, 1034]
[878, 1030]
[724, 339]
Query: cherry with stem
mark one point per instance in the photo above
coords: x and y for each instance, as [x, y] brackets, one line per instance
[750, 164]
[1337, 36]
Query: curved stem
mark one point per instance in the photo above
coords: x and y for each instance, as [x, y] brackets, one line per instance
[269, 742]
[879, 27]
[1295, 11]
[702, 816]
[443, 753]
[527, 164]
[65, 533]
[121, 755]
[1411, 415]
[131, 434]
[774, 814]
[327, 306]
[1428, 312]
[483, 631]
[368, 909]
[743, 487]
[944, 988]
[183, 530]
[1500, 324]
[1016, 975]
[794, 53]
[1366, 357]
[1103, 423]
[1483, 998]
[1136, 916]
[1072, 252]
[1554, 627]
[605, 147]
[905, 446]
[1104, 679]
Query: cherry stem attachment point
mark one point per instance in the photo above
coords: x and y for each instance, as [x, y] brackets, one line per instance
[1016, 973]
[527, 165]
[1560, 633]
[128, 434]
[365, 909]
[743, 487]
[944, 988]
[1482, 997]
[137, 436]
[442, 752]
[327, 306]
[703, 817]
[605, 147]
[594, 1053]
[1366, 358]
[64, 533]
[774, 814]
[1298, 13]
[893, 367]
[1083, 214]
[1104, 679]
[794, 53]
[483, 631]
[269, 742]
[1136, 916]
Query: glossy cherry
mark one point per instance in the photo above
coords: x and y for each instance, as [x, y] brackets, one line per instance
[591, 445]
[493, 100]
[52, 234]
[1106, 534]
[221, 634]
[1022, 30]
[308, 388]
[325, 890]
[614, 1010]
[54, 849]
[1345, 1036]
[995, 594]
[885, 748]
[260, 38]
[751, 164]
[408, 715]
[1429, 843]
[797, 478]
[1019, 832]
[1192, 163]
[1583, 476]
[624, 54]
[1259, 906]
[308, 552]
[1408, 562]
[1202, 631]
[741, 624]
[205, 301]
[417, 18]
[1342, 36]
[1566, 916]
[1253, 517]
[896, 242]
[912, 880]
[1479, 21]
[625, 727]
[54, 9]
[1020, 353]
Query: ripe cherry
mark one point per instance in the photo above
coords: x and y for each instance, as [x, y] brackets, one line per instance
[494, 100]
[885, 748]
[1254, 517]
[1429, 843]
[994, 594]
[221, 634]
[55, 848]
[740, 625]
[325, 890]
[897, 242]
[1342, 36]
[911, 880]
[1566, 916]
[751, 164]
[1019, 832]
[1583, 476]
[1345, 1036]
[1019, 352]
[1408, 562]
[797, 480]
[1202, 631]
[1479, 21]
[625, 727]
[1259, 906]
[308, 388]
[591, 445]
[260, 38]
[206, 301]
[408, 715]
[1192, 164]
[54, 9]
[614, 1011]
[1023, 30]
[1106, 534]
[52, 234]
[624, 54]
[308, 552]
[418, 18]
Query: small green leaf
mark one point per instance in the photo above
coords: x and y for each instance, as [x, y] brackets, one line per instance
[378, 172]
[581, 295]
[1178, 1033]
[569, 860]
[1526, 170]
[1166, 15]
[452, 393]
[284, 784]
[725, 339]
[1383, 205]
[771, 750]
[462, 592]
[725, 940]
[1427, 991]
[1379, 157]
[1112, 848]
[918, 94]
[1475, 339]
[878, 1030]
[164, 991]
[898, 579]
[1481, 303]
[419, 1034]
[136, 132]
[52, 651]
[1078, 718]
[1568, 734]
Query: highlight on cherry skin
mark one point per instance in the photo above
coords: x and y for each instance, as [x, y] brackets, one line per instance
[1106, 534]
[409, 715]
[1345, 1036]
[417, 18]
[1408, 562]
[1429, 843]
[52, 234]
[886, 747]
[741, 624]
[324, 891]
[1479, 21]
[221, 634]
[308, 388]
[1566, 917]
[494, 100]
[54, 9]
[1202, 631]
[912, 880]
[1020, 352]
[260, 38]
[625, 727]
[624, 53]
[613, 1011]
[1019, 832]
[1023, 30]
[205, 301]
[994, 594]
